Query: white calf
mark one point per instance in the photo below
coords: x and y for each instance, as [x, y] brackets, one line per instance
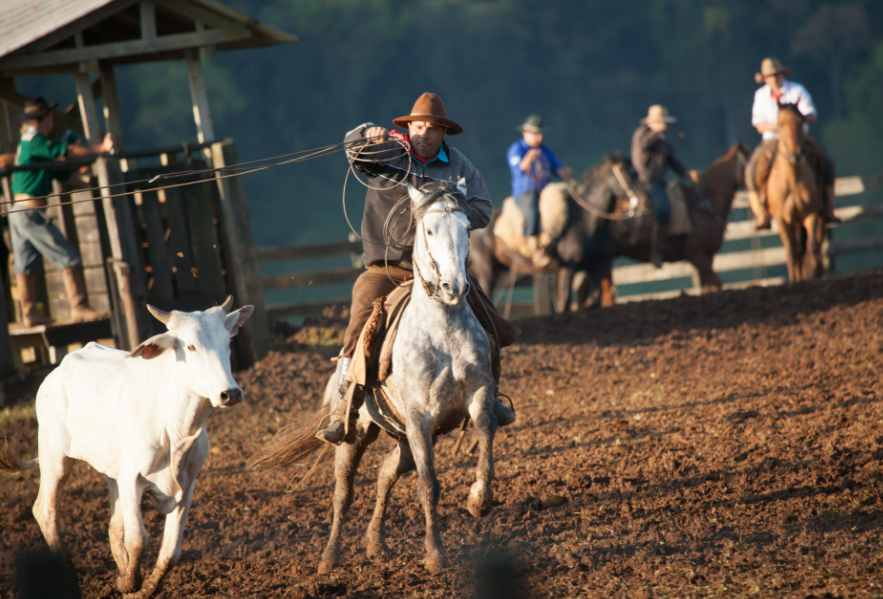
[141, 422]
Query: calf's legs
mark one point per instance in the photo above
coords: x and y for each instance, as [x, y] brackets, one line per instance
[135, 537]
[170, 551]
[398, 462]
[54, 472]
[117, 528]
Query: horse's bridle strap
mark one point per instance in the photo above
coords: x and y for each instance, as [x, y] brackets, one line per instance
[427, 286]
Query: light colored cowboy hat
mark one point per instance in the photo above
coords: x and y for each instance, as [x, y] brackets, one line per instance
[429, 108]
[658, 114]
[533, 124]
[770, 67]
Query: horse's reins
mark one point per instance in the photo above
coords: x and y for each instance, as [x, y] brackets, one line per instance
[616, 168]
[427, 286]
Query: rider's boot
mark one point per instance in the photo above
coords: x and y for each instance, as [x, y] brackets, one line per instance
[505, 415]
[758, 207]
[657, 243]
[336, 430]
[828, 206]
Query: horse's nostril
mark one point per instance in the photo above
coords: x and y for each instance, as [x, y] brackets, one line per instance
[446, 286]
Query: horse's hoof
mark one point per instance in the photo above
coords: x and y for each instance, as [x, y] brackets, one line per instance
[376, 550]
[326, 566]
[436, 563]
[479, 505]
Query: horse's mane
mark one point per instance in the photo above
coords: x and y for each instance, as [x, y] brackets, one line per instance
[603, 169]
[731, 153]
[793, 109]
[433, 191]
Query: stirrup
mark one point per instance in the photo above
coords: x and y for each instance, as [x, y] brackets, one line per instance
[505, 415]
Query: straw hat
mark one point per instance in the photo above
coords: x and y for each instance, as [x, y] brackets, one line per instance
[532, 124]
[429, 108]
[658, 114]
[37, 109]
[770, 67]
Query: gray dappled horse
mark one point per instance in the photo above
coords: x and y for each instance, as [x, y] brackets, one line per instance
[441, 373]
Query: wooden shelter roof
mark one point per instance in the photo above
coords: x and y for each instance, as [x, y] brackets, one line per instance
[56, 36]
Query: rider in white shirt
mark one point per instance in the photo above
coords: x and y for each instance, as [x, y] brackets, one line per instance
[764, 117]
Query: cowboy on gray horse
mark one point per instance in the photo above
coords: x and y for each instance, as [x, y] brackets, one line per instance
[652, 155]
[388, 265]
[765, 118]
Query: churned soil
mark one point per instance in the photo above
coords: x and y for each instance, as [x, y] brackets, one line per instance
[727, 445]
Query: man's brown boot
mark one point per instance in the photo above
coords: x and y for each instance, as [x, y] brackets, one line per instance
[75, 288]
[828, 206]
[335, 432]
[27, 295]
[758, 207]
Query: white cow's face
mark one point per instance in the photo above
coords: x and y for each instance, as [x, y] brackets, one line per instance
[201, 343]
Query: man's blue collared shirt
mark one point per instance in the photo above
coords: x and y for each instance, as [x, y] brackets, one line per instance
[538, 177]
[440, 156]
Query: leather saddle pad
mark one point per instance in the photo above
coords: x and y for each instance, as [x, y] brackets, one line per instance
[372, 361]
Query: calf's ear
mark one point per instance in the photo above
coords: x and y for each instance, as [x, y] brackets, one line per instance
[237, 319]
[154, 346]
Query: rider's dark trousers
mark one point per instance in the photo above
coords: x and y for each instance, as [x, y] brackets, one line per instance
[370, 285]
[659, 199]
[529, 202]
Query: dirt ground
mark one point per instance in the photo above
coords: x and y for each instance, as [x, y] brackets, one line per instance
[723, 445]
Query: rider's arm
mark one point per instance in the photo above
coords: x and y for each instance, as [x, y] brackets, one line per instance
[674, 162]
[478, 202]
[81, 151]
[367, 160]
[562, 172]
[805, 105]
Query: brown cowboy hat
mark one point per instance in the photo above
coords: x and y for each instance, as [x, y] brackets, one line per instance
[658, 114]
[770, 67]
[37, 108]
[429, 108]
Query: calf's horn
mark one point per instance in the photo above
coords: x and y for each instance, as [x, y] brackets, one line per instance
[160, 315]
[228, 303]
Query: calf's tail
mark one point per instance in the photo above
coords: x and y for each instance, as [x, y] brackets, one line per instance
[9, 464]
[295, 445]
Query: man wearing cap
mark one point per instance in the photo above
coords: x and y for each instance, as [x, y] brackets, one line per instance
[765, 118]
[652, 154]
[32, 231]
[532, 164]
[389, 170]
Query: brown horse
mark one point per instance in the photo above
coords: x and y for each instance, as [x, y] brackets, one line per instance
[709, 217]
[794, 199]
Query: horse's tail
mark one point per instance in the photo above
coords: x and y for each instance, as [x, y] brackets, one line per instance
[9, 464]
[294, 445]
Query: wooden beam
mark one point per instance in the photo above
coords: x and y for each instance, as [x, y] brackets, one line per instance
[278, 253]
[240, 256]
[7, 363]
[195, 12]
[147, 13]
[120, 222]
[307, 279]
[205, 129]
[112, 118]
[166, 43]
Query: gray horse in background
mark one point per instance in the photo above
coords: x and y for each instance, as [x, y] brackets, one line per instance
[441, 374]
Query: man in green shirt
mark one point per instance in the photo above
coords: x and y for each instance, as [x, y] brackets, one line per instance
[33, 233]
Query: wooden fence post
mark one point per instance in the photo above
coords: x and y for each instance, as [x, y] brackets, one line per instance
[7, 362]
[239, 251]
[543, 303]
[118, 215]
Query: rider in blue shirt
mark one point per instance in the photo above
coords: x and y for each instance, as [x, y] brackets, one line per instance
[532, 165]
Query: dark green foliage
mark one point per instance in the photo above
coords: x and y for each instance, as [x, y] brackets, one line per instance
[590, 68]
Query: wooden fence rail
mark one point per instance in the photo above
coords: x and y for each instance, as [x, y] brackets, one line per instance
[759, 258]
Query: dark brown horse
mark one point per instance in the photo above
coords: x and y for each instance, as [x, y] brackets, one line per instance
[709, 217]
[585, 244]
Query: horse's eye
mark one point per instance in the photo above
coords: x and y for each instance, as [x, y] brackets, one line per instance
[191, 348]
[428, 232]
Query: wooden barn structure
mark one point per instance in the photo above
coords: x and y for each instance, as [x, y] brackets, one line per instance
[185, 248]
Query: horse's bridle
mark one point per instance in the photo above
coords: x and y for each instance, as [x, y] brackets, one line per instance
[427, 286]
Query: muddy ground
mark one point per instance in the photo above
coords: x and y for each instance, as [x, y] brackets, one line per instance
[724, 445]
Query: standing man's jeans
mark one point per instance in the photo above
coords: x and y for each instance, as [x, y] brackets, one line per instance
[34, 234]
[529, 202]
[659, 199]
